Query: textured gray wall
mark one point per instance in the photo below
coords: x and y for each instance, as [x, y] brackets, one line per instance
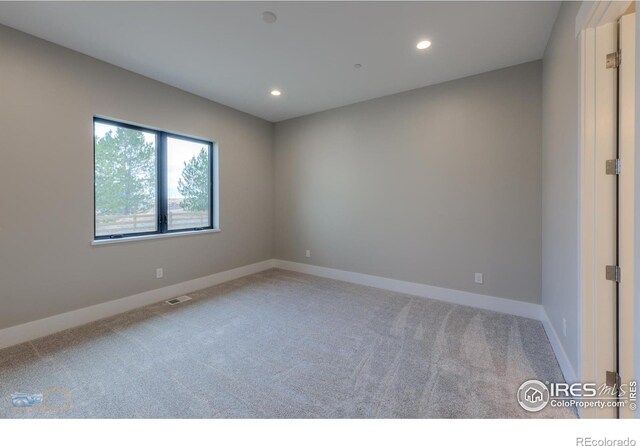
[560, 197]
[48, 96]
[429, 186]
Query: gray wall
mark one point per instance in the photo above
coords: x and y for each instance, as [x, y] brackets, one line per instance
[429, 186]
[48, 96]
[560, 164]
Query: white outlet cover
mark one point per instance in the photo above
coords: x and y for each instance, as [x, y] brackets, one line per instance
[308, 253]
[479, 278]
[159, 273]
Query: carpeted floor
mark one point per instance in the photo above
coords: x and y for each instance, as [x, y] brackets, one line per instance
[285, 345]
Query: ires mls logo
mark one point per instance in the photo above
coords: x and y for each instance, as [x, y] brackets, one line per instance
[534, 395]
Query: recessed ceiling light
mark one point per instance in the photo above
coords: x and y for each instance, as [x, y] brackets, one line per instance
[423, 45]
[358, 65]
[269, 17]
[276, 92]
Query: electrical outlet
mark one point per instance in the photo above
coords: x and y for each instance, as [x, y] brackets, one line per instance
[307, 253]
[479, 278]
[159, 273]
[564, 327]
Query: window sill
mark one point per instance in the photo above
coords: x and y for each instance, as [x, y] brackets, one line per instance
[140, 238]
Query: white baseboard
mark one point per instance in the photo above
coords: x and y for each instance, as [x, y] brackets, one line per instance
[568, 371]
[498, 304]
[43, 327]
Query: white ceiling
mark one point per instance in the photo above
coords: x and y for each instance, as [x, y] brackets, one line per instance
[224, 51]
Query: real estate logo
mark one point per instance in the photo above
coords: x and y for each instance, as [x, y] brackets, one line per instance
[55, 398]
[533, 395]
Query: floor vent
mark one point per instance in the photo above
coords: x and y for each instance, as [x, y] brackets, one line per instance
[178, 300]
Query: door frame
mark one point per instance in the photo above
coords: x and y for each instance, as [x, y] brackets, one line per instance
[589, 17]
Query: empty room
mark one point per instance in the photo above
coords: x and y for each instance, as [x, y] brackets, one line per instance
[297, 211]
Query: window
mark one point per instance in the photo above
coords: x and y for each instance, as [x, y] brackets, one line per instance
[150, 182]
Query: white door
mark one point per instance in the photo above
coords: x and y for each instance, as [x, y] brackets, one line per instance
[609, 204]
[614, 98]
[626, 103]
[606, 148]
[614, 203]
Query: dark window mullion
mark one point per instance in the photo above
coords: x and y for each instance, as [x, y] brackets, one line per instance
[211, 188]
[162, 183]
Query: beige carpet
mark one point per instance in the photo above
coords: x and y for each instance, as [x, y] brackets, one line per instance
[281, 344]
